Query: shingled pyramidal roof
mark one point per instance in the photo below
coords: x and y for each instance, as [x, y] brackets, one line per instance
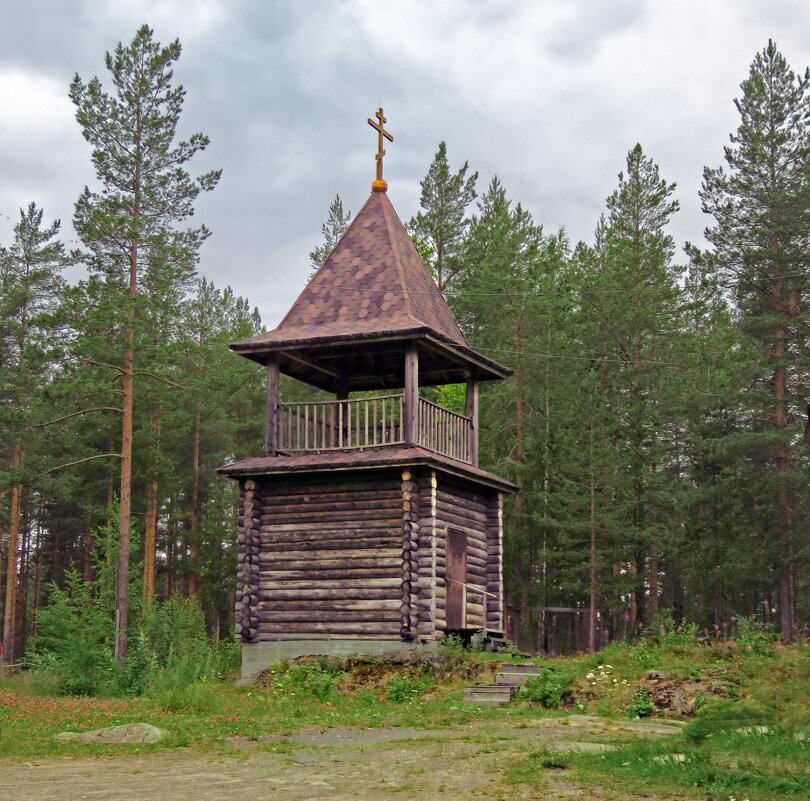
[373, 282]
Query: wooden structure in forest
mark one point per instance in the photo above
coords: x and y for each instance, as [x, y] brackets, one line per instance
[367, 524]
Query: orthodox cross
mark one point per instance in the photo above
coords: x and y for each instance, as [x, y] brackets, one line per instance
[381, 132]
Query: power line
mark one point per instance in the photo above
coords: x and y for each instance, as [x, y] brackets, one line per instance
[543, 293]
[594, 358]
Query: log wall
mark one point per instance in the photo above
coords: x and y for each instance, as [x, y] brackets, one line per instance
[363, 554]
[465, 510]
[331, 559]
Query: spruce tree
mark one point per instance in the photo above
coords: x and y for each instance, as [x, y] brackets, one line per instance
[442, 226]
[336, 224]
[146, 196]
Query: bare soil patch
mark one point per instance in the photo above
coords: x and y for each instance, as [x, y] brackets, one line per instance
[464, 762]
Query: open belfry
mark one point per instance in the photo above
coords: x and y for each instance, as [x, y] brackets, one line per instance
[367, 525]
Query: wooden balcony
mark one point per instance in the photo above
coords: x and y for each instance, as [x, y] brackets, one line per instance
[371, 423]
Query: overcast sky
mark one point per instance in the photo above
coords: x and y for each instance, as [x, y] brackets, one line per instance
[549, 96]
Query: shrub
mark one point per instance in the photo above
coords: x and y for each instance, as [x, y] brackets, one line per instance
[401, 689]
[548, 686]
[641, 705]
[72, 650]
[751, 635]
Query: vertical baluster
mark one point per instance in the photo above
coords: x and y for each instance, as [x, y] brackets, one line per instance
[365, 438]
[375, 403]
[382, 423]
[306, 426]
[340, 424]
[357, 422]
[402, 419]
[323, 425]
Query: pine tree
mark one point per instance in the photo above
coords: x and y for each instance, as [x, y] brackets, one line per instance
[30, 283]
[336, 224]
[146, 195]
[761, 210]
[442, 226]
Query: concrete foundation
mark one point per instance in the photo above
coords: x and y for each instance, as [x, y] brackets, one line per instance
[256, 656]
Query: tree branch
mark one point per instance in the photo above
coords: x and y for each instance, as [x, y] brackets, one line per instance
[102, 364]
[165, 380]
[79, 461]
[75, 414]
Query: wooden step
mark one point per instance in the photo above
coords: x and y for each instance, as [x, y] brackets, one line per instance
[527, 668]
[489, 694]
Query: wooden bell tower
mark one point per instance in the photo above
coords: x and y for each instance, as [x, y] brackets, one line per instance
[367, 524]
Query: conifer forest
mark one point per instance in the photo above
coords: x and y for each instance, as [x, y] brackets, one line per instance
[657, 422]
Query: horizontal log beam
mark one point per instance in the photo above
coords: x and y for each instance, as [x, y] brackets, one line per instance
[357, 556]
[337, 618]
[315, 576]
[336, 628]
[330, 584]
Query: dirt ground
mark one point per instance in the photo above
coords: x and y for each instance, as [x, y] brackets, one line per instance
[466, 762]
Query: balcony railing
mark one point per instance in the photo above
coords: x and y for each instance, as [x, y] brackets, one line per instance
[443, 431]
[368, 424]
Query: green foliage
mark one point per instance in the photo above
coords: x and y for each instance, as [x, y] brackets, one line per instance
[334, 227]
[73, 645]
[641, 705]
[548, 686]
[750, 633]
[402, 689]
[672, 634]
[440, 227]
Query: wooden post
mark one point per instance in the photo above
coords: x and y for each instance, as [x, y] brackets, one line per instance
[471, 410]
[342, 389]
[411, 398]
[270, 443]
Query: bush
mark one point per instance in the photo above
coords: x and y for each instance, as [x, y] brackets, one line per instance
[72, 651]
[548, 686]
[401, 689]
[751, 635]
[641, 705]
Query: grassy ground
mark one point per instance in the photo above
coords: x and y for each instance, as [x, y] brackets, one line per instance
[749, 740]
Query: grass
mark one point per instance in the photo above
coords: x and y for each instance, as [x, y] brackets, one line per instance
[721, 754]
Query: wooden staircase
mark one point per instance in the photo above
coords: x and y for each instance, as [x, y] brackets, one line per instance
[507, 682]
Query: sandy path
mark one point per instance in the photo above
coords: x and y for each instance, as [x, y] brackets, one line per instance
[466, 762]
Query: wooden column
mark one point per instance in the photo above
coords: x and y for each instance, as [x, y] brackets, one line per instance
[270, 442]
[342, 389]
[411, 400]
[471, 410]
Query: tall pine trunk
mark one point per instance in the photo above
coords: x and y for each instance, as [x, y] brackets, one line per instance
[194, 534]
[150, 521]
